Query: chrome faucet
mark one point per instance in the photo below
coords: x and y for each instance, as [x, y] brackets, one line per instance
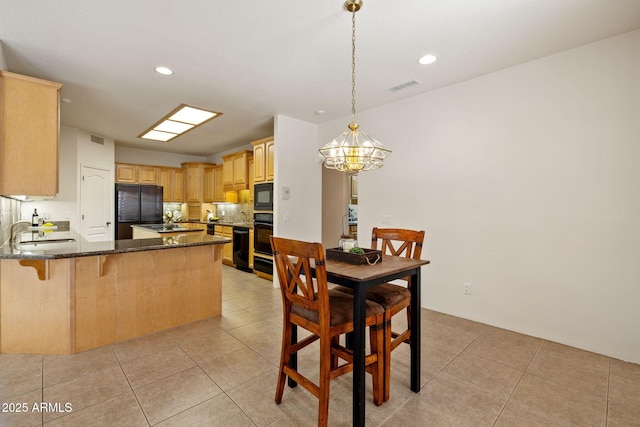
[12, 236]
[245, 217]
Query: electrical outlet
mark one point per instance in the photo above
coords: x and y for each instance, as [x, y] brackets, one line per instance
[467, 288]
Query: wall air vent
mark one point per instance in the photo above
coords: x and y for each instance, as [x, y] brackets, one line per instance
[405, 85]
[97, 139]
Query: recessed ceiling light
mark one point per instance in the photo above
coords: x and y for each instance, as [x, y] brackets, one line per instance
[427, 59]
[164, 71]
[182, 119]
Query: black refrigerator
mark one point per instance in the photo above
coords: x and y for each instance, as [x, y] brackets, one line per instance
[136, 204]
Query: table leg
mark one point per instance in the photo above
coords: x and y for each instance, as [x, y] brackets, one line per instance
[359, 332]
[415, 331]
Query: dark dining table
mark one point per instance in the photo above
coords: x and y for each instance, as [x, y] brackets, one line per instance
[360, 278]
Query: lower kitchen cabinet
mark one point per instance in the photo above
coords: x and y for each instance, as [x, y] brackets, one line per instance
[226, 231]
[251, 248]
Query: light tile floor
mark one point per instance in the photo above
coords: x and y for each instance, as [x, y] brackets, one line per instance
[222, 372]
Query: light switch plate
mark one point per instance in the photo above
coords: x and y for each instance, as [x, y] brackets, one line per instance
[286, 193]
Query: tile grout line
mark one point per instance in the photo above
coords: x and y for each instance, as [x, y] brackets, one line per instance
[222, 392]
[135, 396]
[517, 384]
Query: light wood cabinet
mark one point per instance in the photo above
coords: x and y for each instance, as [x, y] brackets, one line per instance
[235, 171]
[29, 135]
[177, 185]
[164, 180]
[251, 247]
[263, 152]
[194, 211]
[218, 184]
[209, 185]
[172, 182]
[226, 231]
[147, 175]
[251, 180]
[126, 173]
[137, 174]
[194, 181]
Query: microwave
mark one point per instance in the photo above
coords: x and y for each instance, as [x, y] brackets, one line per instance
[263, 197]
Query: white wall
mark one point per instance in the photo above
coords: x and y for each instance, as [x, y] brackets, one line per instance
[526, 181]
[155, 158]
[76, 150]
[63, 207]
[297, 166]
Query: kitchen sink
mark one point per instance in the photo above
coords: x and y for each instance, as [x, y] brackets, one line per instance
[46, 241]
[42, 246]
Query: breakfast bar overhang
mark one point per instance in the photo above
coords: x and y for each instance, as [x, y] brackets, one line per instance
[88, 294]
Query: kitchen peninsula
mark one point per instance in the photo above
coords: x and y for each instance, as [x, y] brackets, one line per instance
[64, 298]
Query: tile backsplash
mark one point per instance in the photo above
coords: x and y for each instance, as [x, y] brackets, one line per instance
[9, 214]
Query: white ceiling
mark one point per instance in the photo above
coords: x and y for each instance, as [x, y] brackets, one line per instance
[257, 58]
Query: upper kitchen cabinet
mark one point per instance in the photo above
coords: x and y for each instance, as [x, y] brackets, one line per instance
[126, 173]
[213, 189]
[172, 182]
[235, 171]
[29, 135]
[263, 170]
[194, 181]
[148, 175]
[137, 174]
[218, 187]
[209, 184]
[177, 184]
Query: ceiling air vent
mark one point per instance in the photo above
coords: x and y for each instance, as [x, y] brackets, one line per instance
[405, 85]
[97, 139]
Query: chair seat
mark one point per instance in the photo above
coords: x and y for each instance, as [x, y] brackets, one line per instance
[341, 308]
[387, 295]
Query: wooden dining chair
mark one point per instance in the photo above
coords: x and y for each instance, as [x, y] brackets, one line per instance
[326, 314]
[394, 298]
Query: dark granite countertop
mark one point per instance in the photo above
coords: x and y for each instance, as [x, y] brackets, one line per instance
[161, 228]
[81, 247]
[248, 224]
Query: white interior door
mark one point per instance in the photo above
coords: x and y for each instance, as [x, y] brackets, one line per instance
[96, 201]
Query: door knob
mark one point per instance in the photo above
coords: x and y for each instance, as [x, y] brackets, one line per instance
[108, 223]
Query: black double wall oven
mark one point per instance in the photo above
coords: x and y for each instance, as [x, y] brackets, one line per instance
[262, 231]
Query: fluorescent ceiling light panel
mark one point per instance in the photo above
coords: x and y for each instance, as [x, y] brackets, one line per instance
[192, 115]
[182, 119]
[173, 127]
[159, 136]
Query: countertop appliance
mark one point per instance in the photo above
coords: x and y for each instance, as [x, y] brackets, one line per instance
[263, 197]
[136, 204]
[241, 247]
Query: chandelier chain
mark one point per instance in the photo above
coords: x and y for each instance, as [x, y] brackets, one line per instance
[353, 65]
